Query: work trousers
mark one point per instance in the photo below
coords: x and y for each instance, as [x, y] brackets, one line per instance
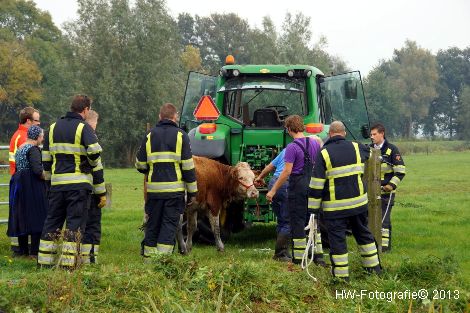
[92, 237]
[163, 218]
[279, 206]
[336, 228]
[72, 208]
[388, 200]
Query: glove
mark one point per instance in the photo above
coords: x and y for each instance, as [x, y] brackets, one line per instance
[102, 202]
[387, 188]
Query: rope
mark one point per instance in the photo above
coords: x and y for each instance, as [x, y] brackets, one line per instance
[388, 206]
[311, 245]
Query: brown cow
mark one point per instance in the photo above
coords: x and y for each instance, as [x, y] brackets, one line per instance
[218, 184]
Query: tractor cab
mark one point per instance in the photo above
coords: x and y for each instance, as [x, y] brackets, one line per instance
[239, 115]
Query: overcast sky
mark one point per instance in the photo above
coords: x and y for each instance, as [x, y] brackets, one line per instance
[361, 32]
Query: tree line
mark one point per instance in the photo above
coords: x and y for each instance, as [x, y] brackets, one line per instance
[133, 58]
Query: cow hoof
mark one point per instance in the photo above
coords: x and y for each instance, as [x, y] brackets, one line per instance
[221, 249]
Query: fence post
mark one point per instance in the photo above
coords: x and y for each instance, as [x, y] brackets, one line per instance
[109, 195]
[372, 177]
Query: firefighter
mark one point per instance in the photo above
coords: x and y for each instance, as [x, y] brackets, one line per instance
[70, 142]
[392, 173]
[92, 237]
[298, 167]
[165, 156]
[28, 116]
[337, 188]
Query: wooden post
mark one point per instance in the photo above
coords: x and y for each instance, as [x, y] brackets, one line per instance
[109, 195]
[372, 177]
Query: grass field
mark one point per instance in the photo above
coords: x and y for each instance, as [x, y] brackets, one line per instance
[431, 221]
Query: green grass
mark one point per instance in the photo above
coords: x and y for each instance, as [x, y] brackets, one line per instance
[431, 221]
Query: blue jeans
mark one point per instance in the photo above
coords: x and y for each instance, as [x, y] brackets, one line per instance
[279, 206]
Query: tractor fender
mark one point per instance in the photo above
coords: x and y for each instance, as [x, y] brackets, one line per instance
[209, 145]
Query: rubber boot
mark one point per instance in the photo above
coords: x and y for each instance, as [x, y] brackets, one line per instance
[281, 251]
[374, 270]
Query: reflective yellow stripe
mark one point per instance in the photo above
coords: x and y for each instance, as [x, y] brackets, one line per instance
[46, 258]
[299, 242]
[367, 249]
[386, 168]
[46, 156]
[331, 182]
[96, 249]
[341, 271]
[388, 152]
[358, 155]
[98, 167]
[140, 165]
[148, 149]
[163, 157]
[317, 183]
[71, 178]
[67, 148]
[191, 187]
[78, 141]
[51, 142]
[370, 261]
[314, 203]
[187, 164]
[15, 147]
[165, 187]
[150, 251]
[340, 259]
[399, 169]
[70, 247]
[85, 249]
[94, 148]
[11, 157]
[99, 189]
[343, 171]
[94, 163]
[395, 180]
[14, 241]
[344, 204]
[47, 246]
[162, 248]
[47, 175]
[67, 260]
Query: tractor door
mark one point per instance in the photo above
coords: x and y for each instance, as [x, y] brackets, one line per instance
[342, 98]
[198, 85]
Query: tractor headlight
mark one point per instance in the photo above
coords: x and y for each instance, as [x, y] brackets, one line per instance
[307, 73]
[236, 72]
[290, 73]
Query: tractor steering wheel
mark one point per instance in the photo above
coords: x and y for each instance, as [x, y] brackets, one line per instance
[281, 110]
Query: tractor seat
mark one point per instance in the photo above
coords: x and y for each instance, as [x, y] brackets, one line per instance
[266, 118]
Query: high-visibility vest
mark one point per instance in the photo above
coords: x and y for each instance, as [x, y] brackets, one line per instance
[18, 138]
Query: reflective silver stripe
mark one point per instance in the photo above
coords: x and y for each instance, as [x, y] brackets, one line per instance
[191, 187]
[341, 271]
[11, 156]
[367, 249]
[67, 260]
[395, 180]
[94, 162]
[46, 259]
[166, 186]
[351, 170]
[187, 165]
[385, 232]
[299, 242]
[340, 259]
[384, 167]
[85, 259]
[96, 249]
[14, 241]
[72, 178]
[399, 169]
[48, 246]
[47, 175]
[148, 251]
[370, 261]
[66, 149]
[162, 248]
[163, 157]
[69, 247]
[94, 148]
[342, 203]
[314, 203]
[317, 183]
[385, 242]
[298, 254]
[46, 156]
[100, 188]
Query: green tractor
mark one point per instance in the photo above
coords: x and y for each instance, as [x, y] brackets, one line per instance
[239, 116]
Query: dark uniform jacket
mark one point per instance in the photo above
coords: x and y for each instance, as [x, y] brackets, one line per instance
[336, 185]
[392, 168]
[165, 155]
[70, 143]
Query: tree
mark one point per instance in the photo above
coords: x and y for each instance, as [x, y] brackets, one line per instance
[463, 118]
[262, 47]
[19, 79]
[191, 59]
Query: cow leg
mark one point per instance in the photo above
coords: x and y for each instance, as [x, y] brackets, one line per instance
[180, 238]
[215, 225]
[191, 228]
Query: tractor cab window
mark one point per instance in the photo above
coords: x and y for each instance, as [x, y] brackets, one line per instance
[342, 98]
[263, 102]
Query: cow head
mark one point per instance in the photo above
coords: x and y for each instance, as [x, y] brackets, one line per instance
[245, 177]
